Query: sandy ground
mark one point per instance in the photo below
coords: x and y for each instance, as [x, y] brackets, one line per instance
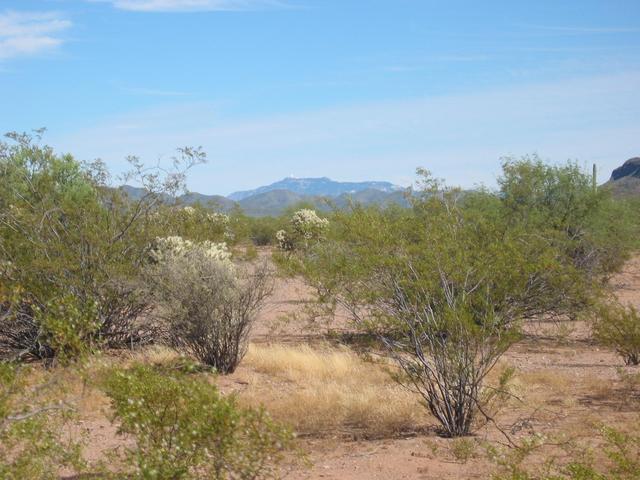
[570, 385]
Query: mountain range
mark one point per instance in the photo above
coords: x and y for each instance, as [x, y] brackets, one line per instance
[323, 187]
[274, 199]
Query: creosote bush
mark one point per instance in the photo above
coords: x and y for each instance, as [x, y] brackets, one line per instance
[31, 443]
[618, 327]
[617, 457]
[447, 284]
[209, 305]
[447, 350]
[184, 429]
[71, 248]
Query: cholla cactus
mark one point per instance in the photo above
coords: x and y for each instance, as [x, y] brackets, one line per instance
[213, 217]
[284, 240]
[177, 246]
[218, 218]
[308, 224]
[189, 211]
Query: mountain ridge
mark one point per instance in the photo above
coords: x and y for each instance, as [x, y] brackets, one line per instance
[625, 180]
[316, 186]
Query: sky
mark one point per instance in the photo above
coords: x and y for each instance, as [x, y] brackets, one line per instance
[349, 89]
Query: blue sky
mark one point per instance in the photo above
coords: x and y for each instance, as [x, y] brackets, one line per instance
[350, 89]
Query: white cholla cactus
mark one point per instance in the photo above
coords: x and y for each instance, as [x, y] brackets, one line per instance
[218, 218]
[177, 246]
[213, 217]
[308, 224]
[284, 241]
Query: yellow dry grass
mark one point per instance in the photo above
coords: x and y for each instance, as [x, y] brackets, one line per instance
[325, 390]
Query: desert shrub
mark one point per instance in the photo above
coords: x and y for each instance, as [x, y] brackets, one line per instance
[445, 286]
[184, 429]
[72, 246]
[446, 350]
[587, 225]
[617, 457]
[262, 230]
[31, 445]
[463, 449]
[209, 304]
[618, 327]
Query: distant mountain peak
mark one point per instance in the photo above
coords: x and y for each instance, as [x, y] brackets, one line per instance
[316, 186]
[625, 180]
[630, 168]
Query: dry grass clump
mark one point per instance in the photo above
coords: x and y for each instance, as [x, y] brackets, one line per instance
[320, 391]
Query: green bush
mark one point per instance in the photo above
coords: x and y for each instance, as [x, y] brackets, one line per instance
[594, 230]
[184, 429]
[446, 284]
[31, 443]
[262, 230]
[618, 327]
[617, 458]
[71, 246]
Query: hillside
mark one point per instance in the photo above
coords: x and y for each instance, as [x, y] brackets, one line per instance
[273, 202]
[625, 180]
[215, 202]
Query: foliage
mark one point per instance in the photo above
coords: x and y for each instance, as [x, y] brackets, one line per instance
[463, 449]
[263, 230]
[618, 327]
[166, 248]
[184, 429]
[195, 223]
[446, 284]
[594, 230]
[619, 459]
[31, 445]
[72, 246]
[209, 304]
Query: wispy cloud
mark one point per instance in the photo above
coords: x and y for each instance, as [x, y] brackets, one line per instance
[30, 33]
[193, 5]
